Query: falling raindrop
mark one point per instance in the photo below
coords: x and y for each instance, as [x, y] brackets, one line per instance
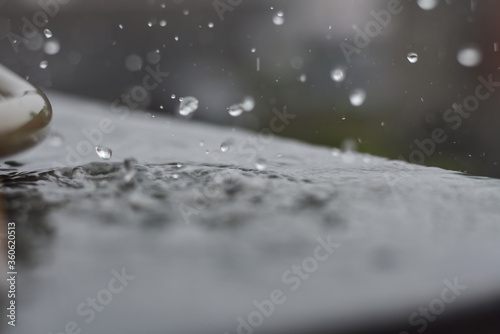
[279, 18]
[163, 23]
[172, 96]
[235, 110]
[104, 153]
[47, 33]
[357, 97]
[302, 78]
[120, 26]
[248, 104]
[51, 47]
[44, 64]
[188, 105]
[133, 63]
[176, 38]
[253, 50]
[338, 75]
[427, 4]
[412, 57]
[210, 25]
[469, 56]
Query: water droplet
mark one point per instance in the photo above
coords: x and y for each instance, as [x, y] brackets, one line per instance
[133, 63]
[412, 57]
[210, 25]
[176, 38]
[235, 110]
[104, 153]
[260, 164]
[248, 104]
[51, 47]
[470, 56]
[163, 23]
[427, 4]
[338, 75]
[150, 24]
[188, 105]
[185, 12]
[44, 64]
[47, 33]
[202, 143]
[225, 146]
[302, 78]
[120, 26]
[253, 50]
[172, 96]
[357, 97]
[279, 18]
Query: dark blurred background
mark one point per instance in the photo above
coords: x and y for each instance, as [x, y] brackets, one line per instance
[280, 53]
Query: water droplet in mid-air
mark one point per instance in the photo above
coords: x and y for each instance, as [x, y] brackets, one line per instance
[412, 57]
[302, 78]
[188, 105]
[235, 110]
[210, 25]
[357, 97]
[44, 64]
[427, 4]
[248, 104]
[279, 18]
[163, 23]
[47, 33]
[52, 47]
[104, 153]
[338, 75]
[470, 56]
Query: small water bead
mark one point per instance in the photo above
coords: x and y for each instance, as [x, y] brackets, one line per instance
[253, 50]
[248, 104]
[44, 64]
[210, 25]
[47, 33]
[120, 26]
[302, 78]
[201, 143]
[225, 146]
[412, 57]
[104, 153]
[357, 97]
[163, 23]
[427, 4]
[235, 110]
[176, 38]
[185, 12]
[338, 75]
[188, 105]
[279, 18]
[51, 47]
[470, 56]
[172, 96]
[133, 63]
[260, 164]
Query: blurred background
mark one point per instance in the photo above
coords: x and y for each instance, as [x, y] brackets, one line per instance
[382, 90]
